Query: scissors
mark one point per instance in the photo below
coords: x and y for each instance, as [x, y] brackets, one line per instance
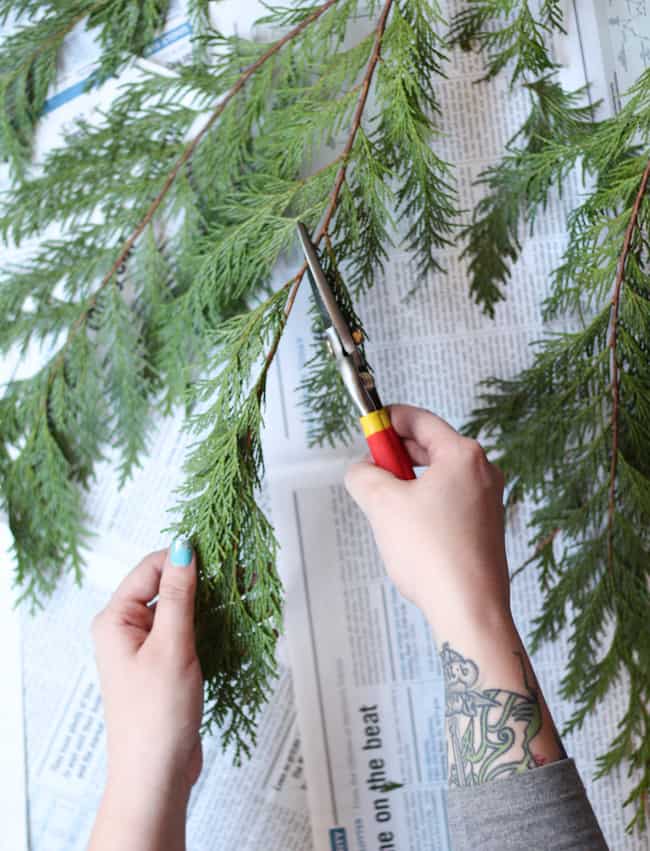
[385, 445]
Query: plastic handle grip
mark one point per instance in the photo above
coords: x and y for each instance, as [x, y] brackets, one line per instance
[386, 446]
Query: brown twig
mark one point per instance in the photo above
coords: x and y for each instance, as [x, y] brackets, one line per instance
[178, 165]
[614, 370]
[540, 546]
[323, 230]
[292, 285]
[356, 120]
[544, 542]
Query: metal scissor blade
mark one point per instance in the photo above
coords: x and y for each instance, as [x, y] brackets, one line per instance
[325, 298]
[320, 304]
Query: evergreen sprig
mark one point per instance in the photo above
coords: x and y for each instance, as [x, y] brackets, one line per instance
[239, 603]
[172, 211]
[513, 35]
[536, 162]
[571, 431]
[29, 55]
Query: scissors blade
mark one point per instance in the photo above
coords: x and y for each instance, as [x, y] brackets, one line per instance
[320, 304]
[325, 298]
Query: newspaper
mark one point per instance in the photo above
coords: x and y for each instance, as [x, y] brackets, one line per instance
[624, 39]
[264, 801]
[13, 814]
[356, 649]
[58, 722]
[368, 683]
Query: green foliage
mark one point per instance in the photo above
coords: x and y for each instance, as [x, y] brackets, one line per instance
[29, 54]
[239, 604]
[39, 491]
[406, 91]
[539, 158]
[128, 388]
[173, 209]
[512, 33]
[513, 37]
[571, 431]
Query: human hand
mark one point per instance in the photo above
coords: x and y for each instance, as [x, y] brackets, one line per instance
[441, 536]
[152, 690]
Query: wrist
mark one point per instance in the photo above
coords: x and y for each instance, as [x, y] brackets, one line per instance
[151, 795]
[145, 817]
[474, 620]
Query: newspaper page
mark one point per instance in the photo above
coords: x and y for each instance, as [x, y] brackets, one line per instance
[261, 804]
[624, 40]
[366, 674]
[13, 789]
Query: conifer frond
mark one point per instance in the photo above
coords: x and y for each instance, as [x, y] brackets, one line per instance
[513, 38]
[239, 601]
[511, 33]
[174, 208]
[539, 158]
[120, 338]
[28, 57]
[405, 132]
[40, 494]
[572, 429]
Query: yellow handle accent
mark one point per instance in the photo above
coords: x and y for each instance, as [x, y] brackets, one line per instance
[375, 421]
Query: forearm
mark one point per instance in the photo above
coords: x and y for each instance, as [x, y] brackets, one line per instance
[499, 730]
[497, 721]
[138, 822]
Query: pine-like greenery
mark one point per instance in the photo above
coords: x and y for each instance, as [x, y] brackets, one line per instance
[173, 211]
[28, 58]
[573, 430]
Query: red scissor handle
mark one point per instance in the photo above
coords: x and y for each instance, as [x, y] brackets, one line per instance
[386, 445]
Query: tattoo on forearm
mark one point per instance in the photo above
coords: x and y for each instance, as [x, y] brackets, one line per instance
[490, 731]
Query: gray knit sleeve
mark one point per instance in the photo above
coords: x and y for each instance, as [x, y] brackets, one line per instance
[545, 808]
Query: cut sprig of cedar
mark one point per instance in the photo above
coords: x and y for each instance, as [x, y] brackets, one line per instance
[30, 52]
[514, 36]
[571, 431]
[158, 293]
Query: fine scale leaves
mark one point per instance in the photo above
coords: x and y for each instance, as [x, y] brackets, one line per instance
[172, 213]
[173, 210]
[572, 431]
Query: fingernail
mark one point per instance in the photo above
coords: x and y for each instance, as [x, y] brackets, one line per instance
[180, 552]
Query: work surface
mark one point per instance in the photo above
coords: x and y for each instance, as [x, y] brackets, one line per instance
[351, 639]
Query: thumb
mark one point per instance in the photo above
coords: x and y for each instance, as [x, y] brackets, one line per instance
[174, 618]
[369, 485]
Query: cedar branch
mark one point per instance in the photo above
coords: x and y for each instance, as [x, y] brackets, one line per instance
[323, 231]
[178, 165]
[356, 120]
[59, 34]
[614, 370]
[190, 148]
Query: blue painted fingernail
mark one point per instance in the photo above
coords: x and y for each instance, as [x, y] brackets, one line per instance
[180, 552]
